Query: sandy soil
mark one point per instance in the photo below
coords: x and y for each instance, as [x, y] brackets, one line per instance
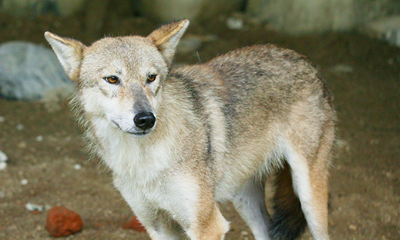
[362, 73]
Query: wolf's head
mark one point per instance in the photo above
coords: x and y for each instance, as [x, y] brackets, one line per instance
[120, 79]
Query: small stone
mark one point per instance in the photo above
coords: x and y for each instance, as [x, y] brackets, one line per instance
[39, 138]
[34, 207]
[342, 68]
[12, 227]
[135, 225]
[352, 227]
[245, 233]
[77, 166]
[3, 156]
[24, 181]
[20, 127]
[3, 165]
[374, 141]
[2, 194]
[22, 145]
[63, 222]
[2, 119]
[234, 23]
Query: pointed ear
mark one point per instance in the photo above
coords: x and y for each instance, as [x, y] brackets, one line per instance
[166, 38]
[69, 52]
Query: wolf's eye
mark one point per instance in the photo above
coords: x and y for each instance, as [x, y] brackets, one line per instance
[151, 77]
[112, 79]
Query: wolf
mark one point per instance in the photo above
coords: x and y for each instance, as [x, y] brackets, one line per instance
[180, 141]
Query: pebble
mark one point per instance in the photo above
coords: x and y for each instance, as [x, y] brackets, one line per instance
[24, 181]
[20, 127]
[234, 23]
[2, 119]
[39, 138]
[63, 222]
[352, 227]
[3, 165]
[77, 166]
[3, 159]
[34, 207]
[135, 225]
[3, 156]
[373, 141]
[22, 145]
[245, 233]
[2, 194]
[342, 68]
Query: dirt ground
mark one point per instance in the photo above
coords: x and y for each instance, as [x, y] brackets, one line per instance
[44, 145]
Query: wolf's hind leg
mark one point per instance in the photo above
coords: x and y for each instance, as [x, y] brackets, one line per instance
[310, 181]
[250, 203]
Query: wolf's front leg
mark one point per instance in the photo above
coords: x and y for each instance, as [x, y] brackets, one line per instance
[206, 224]
[160, 226]
[209, 224]
[189, 200]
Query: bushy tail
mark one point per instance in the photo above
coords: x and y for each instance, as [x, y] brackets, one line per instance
[288, 221]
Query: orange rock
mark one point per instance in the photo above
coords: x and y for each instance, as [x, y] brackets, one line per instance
[135, 225]
[63, 222]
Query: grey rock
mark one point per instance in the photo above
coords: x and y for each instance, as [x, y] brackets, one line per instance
[28, 71]
[386, 28]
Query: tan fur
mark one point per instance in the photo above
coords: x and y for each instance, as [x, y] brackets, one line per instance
[206, 133]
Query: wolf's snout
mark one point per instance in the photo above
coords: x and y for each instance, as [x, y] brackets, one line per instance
[144, 120]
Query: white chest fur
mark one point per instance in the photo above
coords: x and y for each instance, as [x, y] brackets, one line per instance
[142, 160]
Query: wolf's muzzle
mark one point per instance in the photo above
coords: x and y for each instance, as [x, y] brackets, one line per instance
[144, 120]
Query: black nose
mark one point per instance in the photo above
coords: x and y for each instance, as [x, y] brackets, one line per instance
[144, 120]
